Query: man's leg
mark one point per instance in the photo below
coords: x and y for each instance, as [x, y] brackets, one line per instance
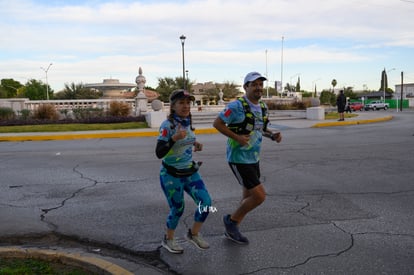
[252, 198]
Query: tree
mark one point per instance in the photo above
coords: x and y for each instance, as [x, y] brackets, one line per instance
[211, 95]
[289, 88]
[333, 83]
[150, 88]
[298, 85]
[384, 82]
[167, 85]
[77, 91]
[180, 83]
[348, 92]
[272, 91]
[35, 90]
[3, 92]
[306, 94]
[9, 88]
[327, 97]
[230, 91]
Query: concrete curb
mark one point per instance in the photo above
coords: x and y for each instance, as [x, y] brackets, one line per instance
[89, 263]
[68, 136]
[78, 135]
[153, 132]
[351, 122]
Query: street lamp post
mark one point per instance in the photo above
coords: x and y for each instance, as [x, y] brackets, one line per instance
[402, 89]
[267, 82]
[281, 68]
[383, 80]
[182, 38]
[47, 83]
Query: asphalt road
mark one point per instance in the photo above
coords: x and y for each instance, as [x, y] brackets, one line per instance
[340, 201]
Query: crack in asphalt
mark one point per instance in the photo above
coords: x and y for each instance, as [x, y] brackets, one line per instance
[151, 258]
[321, 193]
[47, 210]
[334, 224]
[333, 254]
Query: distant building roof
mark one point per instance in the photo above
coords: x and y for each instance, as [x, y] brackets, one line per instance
[110, 84]
[112, 88]
[375, 95]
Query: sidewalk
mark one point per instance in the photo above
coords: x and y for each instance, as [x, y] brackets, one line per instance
[282, 124]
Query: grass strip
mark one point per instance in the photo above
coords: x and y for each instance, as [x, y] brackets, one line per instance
[38, 267]
[72, 127]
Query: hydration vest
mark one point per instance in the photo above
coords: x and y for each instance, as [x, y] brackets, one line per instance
[245, 127]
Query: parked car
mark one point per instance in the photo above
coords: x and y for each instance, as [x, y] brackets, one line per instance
[356, 106]
[376, 105]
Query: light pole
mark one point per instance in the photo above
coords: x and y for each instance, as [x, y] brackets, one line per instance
[267, 82]
[182, 38]
[281, 68]
[47, 83]
[383, 80]
[402, 90]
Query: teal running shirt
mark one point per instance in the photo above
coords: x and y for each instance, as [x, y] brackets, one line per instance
[181, 153]
[234, 113]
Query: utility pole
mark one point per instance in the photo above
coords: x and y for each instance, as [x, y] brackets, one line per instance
[267, 82]
[402, 85]
[47, 83]
[281, 69]
[182, 38]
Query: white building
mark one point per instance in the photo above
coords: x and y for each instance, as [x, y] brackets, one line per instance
[407, 93]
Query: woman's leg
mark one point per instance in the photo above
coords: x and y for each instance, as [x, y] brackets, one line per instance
[174, 192]
[198, 192]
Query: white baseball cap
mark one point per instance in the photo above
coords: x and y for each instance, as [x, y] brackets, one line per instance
[252, 76]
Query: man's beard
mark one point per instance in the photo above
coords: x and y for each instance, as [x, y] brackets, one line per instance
[257, 94]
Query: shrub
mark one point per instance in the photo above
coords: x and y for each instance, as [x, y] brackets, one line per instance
[6, 113]
[64, 113]
[300, 105]
[119, 109]
[25, 114]
[87, 113]
[46, 112]
[297, 105]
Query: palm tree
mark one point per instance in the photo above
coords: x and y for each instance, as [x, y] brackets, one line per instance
[333, 84]
[77, 91]
[230, 90]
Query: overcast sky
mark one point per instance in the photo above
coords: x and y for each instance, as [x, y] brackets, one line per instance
[87, 41]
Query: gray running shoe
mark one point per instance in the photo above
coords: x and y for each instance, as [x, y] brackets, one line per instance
[232, 231]
[197, 240]
[172, 246]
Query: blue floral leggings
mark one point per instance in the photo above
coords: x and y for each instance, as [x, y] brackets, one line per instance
[174, 189]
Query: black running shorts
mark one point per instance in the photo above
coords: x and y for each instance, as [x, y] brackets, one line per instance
[248, 175]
